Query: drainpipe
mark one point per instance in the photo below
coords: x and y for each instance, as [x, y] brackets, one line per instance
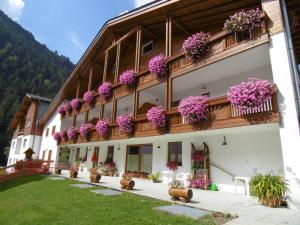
[292, 59]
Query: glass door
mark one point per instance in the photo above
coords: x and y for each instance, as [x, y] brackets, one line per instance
[133, 155]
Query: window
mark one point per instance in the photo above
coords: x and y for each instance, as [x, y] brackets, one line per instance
[175, 152]
[94, 115]
[80, 119]
[66, 123]
[24, 143]
[125, 105]
[107, 112]
[110, 154]
[150, 97]
[47, 132]
[53, 130]
[146, 48]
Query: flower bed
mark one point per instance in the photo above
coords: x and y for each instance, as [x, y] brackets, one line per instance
[128, 78]
[73, 134]
[75, 103]
[102, 128]
[157, 116]
[89, 97]
[250, 95]
[85, 130]
[194, 108]
[105, 90]
[196, 46]
[158, 65]
[125, 123]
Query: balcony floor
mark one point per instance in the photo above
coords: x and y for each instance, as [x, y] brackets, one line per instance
[248, 210]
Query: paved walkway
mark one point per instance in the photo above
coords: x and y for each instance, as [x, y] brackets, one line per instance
[248, 210]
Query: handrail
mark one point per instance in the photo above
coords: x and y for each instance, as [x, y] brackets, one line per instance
[222, 169]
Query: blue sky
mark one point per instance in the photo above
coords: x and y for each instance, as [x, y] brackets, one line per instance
[67, 26]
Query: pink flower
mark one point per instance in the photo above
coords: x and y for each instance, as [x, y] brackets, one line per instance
[105, 90]
[89, 97]
[73, 133]
[75, 103]
[64, 135]
[125, 123]
[68, 107]
[157, 116]
[194, 108]
[61, 110]
[158, 65]
[172, 165]
[196, 46]
[250, 95]
[199, 182]
[197, 156]
[85, 130]
[57, 137]
[128, 78]
[102, 128]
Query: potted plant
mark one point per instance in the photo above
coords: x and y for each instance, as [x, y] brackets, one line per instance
[172, 165]
[127, 183]
[75, 104]
[68, 108]
[196, 46]
[194, 108]
[61, 110]
[85, 130]
[57, 137]
[154, 177]
[250, 95]
[158, 66]
[102, 128]
[178, 192]
[125, 123]
[57, 169]
[199, 182]
[269, 189]
[95, 175]
[89, 98]
[157, 117]
[128, 78]
[111, 168]
[73, 134]
[73, 171]
[105, 90]
[64, 135]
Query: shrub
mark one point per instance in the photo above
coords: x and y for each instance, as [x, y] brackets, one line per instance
[85, 130]
[125, 123]
[61, 110]
[75, 103]
[154, 177]
[172, 165]
[102, 128]
[158, 65]
[89, 97]
[196, 46]
[105, 90]
[194, 108]
[57, 137]
[73, 134]
[128, 78]
[157, 116]
[250, 95]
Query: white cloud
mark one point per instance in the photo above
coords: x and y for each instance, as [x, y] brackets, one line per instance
[138, 3]
[75, 39]
[12, 8]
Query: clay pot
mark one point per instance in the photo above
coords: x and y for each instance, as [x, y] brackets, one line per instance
[95, 177]
[73, 174]
[185, 195]
[127, 184]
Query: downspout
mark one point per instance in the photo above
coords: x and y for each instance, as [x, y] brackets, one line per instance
[292, 59]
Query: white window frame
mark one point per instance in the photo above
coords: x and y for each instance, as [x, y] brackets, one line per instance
[145, 45]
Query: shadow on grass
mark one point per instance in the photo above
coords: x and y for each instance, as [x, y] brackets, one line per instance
[20, 181]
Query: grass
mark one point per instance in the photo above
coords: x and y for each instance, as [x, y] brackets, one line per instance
[41, 201]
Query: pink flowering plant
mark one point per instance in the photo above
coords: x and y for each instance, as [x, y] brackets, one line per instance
[57, 137]
[85, 130]
[64, 135]
[197, 156]
[200, 182]
[68, 107]
[75, 104]
[157, 116]
[244, 20]
[125, 123]
[128, 78]
[61, 110]
[89, 97]
[73, 133]
[250, 95]
[105, 90]
[172, 165]
[196, 46]
[158, 65]
[102, 128]
[194, 108]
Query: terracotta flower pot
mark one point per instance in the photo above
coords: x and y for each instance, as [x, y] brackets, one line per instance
[185, 195]
[95, 177]
[127, 184]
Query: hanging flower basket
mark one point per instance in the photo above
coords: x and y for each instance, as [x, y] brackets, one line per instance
[57, 137]
[68, 107]
[89, 97]
[85, 130]
[125, 123]
[158, 65]
[61, 110]
[194, 108]
[64, 135]
[102, 128]
[128, 78]
[105, 90]
[196, 46]
[75, 104]
[172, 165]
[197, 156]
[73, 134]
[157, 116]
[250, 95]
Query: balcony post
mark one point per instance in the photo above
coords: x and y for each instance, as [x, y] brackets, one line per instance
[90, 78]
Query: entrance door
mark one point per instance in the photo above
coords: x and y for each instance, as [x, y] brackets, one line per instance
[139, 160]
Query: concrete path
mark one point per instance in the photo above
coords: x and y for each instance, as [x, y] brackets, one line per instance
[248, 210]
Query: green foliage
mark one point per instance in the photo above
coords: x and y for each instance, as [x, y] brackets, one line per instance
[154, 177]
[26, 66]
[268, 187]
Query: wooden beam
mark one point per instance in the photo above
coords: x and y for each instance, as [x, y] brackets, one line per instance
[117, 62]
[138, 49]
[90, 78]
[180, 26]
[105, 66]
[170, 37]
[78, 88]
[167, 37]
[150, 33]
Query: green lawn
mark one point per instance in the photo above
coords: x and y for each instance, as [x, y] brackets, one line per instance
[39, 200]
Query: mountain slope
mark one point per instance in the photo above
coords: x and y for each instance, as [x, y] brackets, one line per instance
[26, 66]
